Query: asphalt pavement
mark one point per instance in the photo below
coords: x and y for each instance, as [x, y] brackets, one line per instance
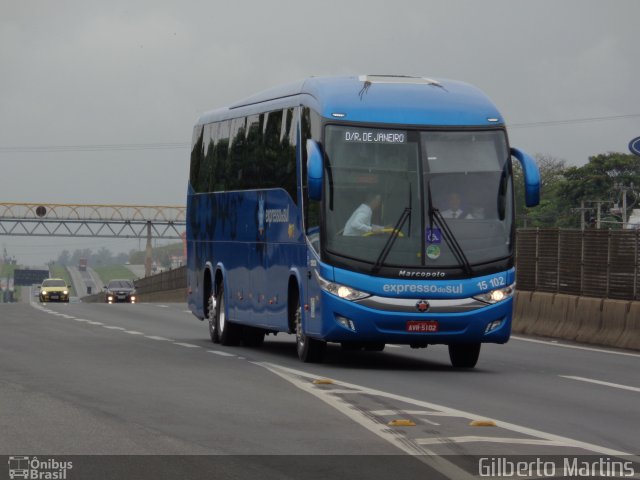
[98, 379]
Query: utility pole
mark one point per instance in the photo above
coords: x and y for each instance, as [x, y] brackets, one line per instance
[624, 189]
[582, 211]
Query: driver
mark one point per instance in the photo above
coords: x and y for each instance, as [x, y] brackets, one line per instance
[359, 222]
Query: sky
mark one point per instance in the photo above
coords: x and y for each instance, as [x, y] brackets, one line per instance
[98, 99]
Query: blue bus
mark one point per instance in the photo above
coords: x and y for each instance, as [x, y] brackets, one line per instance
[358, 210]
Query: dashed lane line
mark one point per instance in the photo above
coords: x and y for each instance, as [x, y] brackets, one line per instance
[221, 353]
[555, 343]
[187, 345]
[600, 382]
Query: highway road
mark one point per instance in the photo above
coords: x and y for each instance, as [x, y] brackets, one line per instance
[97, 379]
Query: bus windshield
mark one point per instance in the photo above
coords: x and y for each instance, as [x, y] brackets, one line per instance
[406, 184]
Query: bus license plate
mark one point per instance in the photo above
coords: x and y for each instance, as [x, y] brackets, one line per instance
[422, 327]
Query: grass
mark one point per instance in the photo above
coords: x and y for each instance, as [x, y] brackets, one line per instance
[6, 270]
[110, 272]
[61, 272]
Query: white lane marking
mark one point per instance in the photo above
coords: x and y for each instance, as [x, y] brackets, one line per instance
[81, 320]
[476, 439]
[290, 374]
[68, 316]
[91, 322]
[110, 327]
[133, 332]
[163, 306]
[188, 345]
[222, 354]
[600, 382]
[160, 339]
[575, 347]
[186, 311]
[395, 438]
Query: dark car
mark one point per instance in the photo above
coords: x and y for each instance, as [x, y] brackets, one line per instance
[120, 291]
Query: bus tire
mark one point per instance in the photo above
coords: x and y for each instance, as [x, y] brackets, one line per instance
[464, 355]
[211, 316]
[309, 349]
[228, 332]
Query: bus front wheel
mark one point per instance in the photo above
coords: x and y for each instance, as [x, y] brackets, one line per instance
[464, 355]
[309, 349]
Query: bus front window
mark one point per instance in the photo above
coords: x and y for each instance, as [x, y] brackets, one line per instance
[381, 183]
[372, 185]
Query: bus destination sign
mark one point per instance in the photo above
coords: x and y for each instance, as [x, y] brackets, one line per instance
[375, 136]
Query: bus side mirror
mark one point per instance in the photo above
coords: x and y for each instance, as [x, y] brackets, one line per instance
[531, 177]
[314, 170]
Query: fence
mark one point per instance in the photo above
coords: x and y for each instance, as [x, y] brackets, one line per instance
[588, 263]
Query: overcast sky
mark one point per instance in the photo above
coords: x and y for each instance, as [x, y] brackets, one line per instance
[110, 74]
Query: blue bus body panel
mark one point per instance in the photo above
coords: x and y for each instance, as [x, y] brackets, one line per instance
[255, 236]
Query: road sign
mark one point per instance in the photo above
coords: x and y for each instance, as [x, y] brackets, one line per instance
[29, 277]
[634, 146]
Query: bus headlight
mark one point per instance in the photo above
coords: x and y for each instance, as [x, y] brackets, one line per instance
[339, 290]
[498, 295]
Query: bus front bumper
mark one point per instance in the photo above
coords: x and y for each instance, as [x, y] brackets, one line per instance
[346, 321]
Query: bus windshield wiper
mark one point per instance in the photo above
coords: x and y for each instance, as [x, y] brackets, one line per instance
[384, 253]
[449, 237]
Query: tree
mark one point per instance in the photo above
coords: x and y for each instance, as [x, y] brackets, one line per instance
[596, 180]
[551, 207]
[64, 258]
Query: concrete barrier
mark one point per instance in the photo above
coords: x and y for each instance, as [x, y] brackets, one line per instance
[522, 307]
[590, 315]
[569, 326]
[542, 303]
[614, 317]
[178, 295]
[631, 335]
[552, 314]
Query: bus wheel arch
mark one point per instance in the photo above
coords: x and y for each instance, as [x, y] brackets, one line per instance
[310, 350]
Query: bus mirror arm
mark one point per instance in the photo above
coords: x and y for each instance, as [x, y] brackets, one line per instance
[531, 177]
[314, 170]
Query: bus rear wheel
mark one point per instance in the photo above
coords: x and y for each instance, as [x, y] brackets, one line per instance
[228, 332]
[464, 355]
[211, 316]
[309, 349]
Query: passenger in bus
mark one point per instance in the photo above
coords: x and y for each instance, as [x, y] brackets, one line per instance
[359, 222]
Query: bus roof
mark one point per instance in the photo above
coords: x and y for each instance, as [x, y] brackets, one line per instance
[376, 98]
